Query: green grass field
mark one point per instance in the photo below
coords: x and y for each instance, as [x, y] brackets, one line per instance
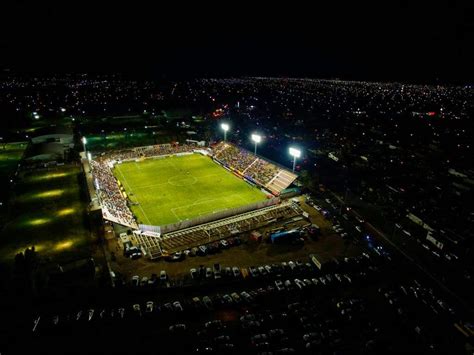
[176, 188]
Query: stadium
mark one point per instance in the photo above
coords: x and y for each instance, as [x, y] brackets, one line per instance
[177, 196]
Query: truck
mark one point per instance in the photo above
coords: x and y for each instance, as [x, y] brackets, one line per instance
[285, 236]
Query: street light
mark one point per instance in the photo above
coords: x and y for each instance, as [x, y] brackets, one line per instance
[295, 153]
[225, 128]
[257, 139]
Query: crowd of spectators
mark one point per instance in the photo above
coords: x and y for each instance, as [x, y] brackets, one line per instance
[234, 157]
[261, 170]
[246, 163]
[114, 202]
[111, 198]
[148, 151]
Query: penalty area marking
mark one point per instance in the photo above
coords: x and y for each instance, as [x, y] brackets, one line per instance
[203, 201]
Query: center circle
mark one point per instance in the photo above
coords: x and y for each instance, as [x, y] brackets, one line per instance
[182, 180]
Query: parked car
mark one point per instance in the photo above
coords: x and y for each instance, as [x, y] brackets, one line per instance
[202, 250]
[136, 255]
[137, 310]
[213, 324]
[177, 306]
[150, 306]
[136, 281]
[197, 303]
[246, 296]
[227, 299]
[236, 271]
[300, 284]
[153, 280]
[144, 281]
[258, 338]
[291, 265]
[253, 271]
[178, 256]
[207, 302]
[235, 296]
[180, 327]
[279, 285]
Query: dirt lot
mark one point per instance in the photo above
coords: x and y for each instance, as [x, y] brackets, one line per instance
[250, 253]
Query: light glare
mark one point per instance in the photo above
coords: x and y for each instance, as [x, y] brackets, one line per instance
[295, 152]
[256, 138]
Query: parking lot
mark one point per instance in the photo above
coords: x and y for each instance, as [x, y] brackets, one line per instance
[248, 253]
[297, 308]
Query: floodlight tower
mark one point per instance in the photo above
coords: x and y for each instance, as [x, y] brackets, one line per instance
[257, 139]
[225, 127]
[84, 142]
[295, 153]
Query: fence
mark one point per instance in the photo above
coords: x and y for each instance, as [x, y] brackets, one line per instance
[149, 228]
[208, 218]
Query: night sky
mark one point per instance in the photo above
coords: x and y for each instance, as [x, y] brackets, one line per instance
[397, 42]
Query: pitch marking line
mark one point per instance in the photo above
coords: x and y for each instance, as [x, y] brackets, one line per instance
[139, 204]
[221, 198]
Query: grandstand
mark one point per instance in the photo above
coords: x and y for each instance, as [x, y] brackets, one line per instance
[213, 231]
[260, 171]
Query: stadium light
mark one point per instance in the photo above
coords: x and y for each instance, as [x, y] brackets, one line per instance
[84, 142]
[257, 139]
[89, 156]
[225, 127]
[295, 153]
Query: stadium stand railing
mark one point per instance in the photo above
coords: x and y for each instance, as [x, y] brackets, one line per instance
[149, 242]
[223, 228]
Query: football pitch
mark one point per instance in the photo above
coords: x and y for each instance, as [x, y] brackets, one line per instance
[173, 189]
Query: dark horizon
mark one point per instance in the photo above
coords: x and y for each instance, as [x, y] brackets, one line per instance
[404, 43]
